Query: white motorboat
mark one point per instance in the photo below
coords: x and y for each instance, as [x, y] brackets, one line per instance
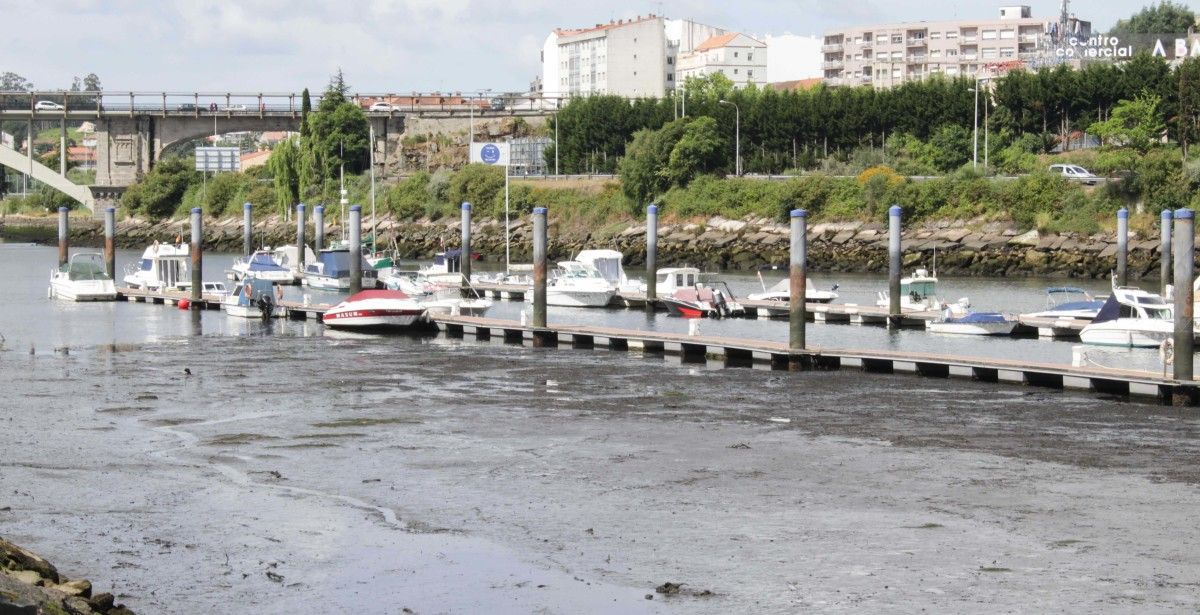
[331, 270]
[288, 257]
[782, 291]
[918, 292]
[685, 293]
[608, 264]
[577, 284]
[440, 297]
[1069, 302]
[254, 298]
[377, 309]
[261, 265]
[214, 289]
[82, 279]
[973, 323]
[1131, 317]
[162, 267]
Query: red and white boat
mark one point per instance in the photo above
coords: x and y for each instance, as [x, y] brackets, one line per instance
[377, 309]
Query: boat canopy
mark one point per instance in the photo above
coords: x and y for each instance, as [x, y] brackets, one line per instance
[448, 259]
[979, 318]
[1065, 289]
[84, 269]
[335, 263]
[261, 261]
[919, 289]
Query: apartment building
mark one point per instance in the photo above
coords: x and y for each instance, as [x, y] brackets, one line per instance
[739, 57]
[629, 57]
[890, 54]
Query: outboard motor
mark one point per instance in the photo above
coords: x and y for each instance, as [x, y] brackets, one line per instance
[266, 305]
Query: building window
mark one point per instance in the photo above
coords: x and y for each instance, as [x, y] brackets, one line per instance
[1007, 34]
[951, 34]
[749, 57]
[989, 35]
[1007, 52]
[735, 54]
[670, 61]
[735, 71]
[749, 72]
[897, 39]
[670, 77]
[989, 53]
[933, 36]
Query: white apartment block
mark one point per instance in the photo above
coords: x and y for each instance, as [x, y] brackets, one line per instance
[890, 54]
[627, 57]
[739, 57]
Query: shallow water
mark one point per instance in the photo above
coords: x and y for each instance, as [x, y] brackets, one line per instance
[177, 458]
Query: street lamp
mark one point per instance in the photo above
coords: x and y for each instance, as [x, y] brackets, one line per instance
[975, 132]
[737, 131]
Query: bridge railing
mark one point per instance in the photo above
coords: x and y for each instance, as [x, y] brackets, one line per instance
[54, 104]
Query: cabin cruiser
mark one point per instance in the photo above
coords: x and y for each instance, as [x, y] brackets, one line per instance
[684, 293]
[82, 279]
[288, 257]
[254, 298]
[331, 270]
[1069, 302]
[376, 309]
[163, 266]
[608, 264]
[782, 291]
[261, 265]
[441, 297]
[973, 323]
[1131, 317]
[445, 268]
[919, 292]
[577, 284]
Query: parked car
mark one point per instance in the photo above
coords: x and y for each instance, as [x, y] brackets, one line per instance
[187, 107]
[47, 105]
[1074, 172]
[381, 106]
[497, 104]
[234, 108]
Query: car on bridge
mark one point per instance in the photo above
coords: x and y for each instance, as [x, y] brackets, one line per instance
[47, 105]
[382, 106]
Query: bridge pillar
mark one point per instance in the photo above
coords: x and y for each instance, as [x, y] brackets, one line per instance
[124, 149]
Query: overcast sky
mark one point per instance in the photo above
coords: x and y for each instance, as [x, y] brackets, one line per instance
[388, 45]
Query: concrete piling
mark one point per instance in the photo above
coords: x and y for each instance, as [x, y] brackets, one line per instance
[318, 228]
[300, 237]
[1184, 295]
[110, 248]
[247, 229]
[1122, 246]
[197, 254]
[464, 262]
[651, 257]
[1164, 251]
[355, 249]
[539, 266]
[798, 274]
[894, 262]
[64, 239]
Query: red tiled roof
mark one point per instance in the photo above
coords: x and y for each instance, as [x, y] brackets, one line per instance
[723, 40]
[605, 26]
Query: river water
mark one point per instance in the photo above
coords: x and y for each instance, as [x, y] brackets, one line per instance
[191, 462]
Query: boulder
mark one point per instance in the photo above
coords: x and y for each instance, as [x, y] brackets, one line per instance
[1030, 239]
[80, 587]
[25, 560]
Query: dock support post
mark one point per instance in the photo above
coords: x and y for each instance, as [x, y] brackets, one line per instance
[197, 255]
[110, 245]
[539, 267]
[300, 238]
[894, 315]
[464, 261]
[1184, 258]
[798, 295]
[318, 228]
[355, 249]
[1122, 246]
[247, 229]
[64, 232]
[1164, 250]
[651, 257]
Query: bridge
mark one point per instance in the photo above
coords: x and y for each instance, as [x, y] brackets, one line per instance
[132, 129]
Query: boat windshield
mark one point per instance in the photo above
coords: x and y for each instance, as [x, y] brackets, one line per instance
[85, 270]
[1158, 313]
[147, 265]
[918, 289]
[581, 273]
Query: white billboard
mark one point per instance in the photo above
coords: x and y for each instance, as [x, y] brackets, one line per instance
[495, 154]
[218, 159]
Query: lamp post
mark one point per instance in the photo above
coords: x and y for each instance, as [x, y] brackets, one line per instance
[975, 129]
[737, 131]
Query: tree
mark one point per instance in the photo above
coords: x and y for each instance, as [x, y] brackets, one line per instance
[1187, 120]
[1164, 18]
[697, 151]
[12, 82]
[284, 165]
[162, 189]
[644, 168]
[305, 109]
[1136, 123]
[337, 134]
[949, 147]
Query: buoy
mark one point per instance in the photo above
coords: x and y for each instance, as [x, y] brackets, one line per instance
[184, 304]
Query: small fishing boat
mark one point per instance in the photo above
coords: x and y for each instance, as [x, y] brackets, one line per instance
[1131, 317]
[441, 297]
[576, 284]
[608, 264]
[1069, 302]
[261, 265]
[782, 291]
[162, 267]
[918, 292]
[82, 279]
[973, 323]
[331, 270]
[254, 298]
[683, 292]
[377, 309]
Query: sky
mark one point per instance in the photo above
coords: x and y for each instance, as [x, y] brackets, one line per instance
[391, 45]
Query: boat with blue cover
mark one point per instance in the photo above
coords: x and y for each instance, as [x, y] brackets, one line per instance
[261, 265]
[1069, 302]
[973, 323]
[332, 270]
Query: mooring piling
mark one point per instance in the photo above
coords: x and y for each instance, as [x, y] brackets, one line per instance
[651, 257]
[1164, 250]
[798, 274]
[318, 228]
[1122, 246]
[64, 239]
[539, 266]
[355, 249]
[110, 247]
[247, 229]
[300, 238]
[464, 262]
[197, 254]
[894, 315]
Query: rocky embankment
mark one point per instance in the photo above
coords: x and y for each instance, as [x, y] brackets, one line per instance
[29, 584]
[992, 249]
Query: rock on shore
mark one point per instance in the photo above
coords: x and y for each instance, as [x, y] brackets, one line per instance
[30, 584]
[990, 249]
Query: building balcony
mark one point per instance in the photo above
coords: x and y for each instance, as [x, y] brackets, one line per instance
[968, 57]
[916, 59]
[832, 47]
[968, 40]
[832, 64]
[833, 81]
[1028, 38]
[917, 42]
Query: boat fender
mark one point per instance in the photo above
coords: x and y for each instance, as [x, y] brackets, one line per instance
[184, 304]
